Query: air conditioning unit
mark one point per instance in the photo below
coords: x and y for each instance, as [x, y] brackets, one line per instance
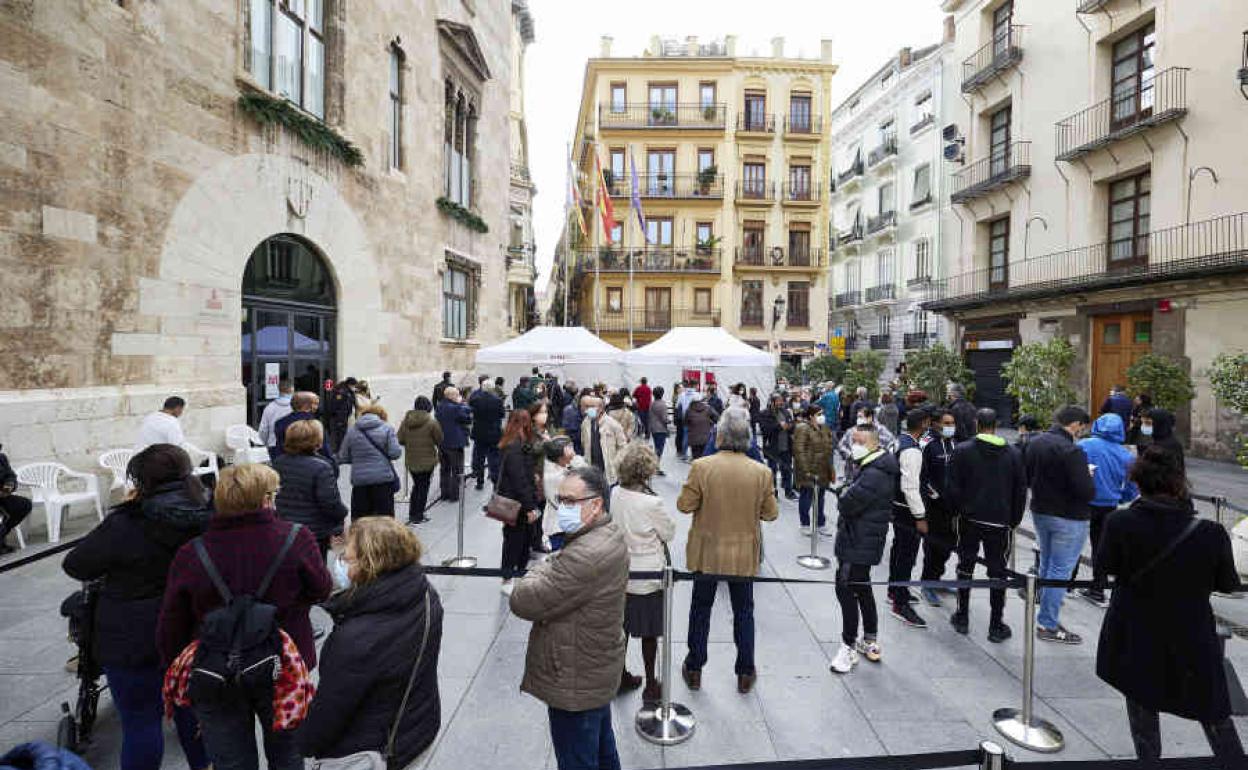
[955, 145]
[949, 132]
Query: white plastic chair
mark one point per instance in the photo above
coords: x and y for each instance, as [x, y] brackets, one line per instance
[115, 461]
[245, 445]
[44, 479]
[199, 457]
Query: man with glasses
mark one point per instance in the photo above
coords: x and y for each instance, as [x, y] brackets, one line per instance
[576, 644]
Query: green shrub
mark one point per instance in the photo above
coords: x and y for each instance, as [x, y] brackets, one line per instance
[864, 370]
[1162, 378]
[1038, 375]
[932, 369]
[825, 368]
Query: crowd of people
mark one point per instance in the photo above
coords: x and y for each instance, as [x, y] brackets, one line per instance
[184, 569]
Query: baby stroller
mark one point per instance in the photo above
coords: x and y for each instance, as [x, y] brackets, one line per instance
[73, 732]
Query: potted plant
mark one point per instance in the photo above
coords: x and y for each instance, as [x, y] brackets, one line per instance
[709, 112]
[706, 178]
[662, 116]
[706, 246]
[608, 179]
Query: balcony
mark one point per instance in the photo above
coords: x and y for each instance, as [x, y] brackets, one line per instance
[670, 187]
[992, 173]
[797, 318]
[755, 124]
[921, 202]
[803, 127]
[923, 123]
[1161, 99]
[886, 151]
[778, 257]
[711, 117]
[882, 224]
[1214, 247]
[643, 320]
[520, 173]
[799, 194]
[1090, 6]
[882, 292]
[850, 177]
[652, 259]
[756, 193]
[847, 299]
[880, 341]
[915, 340]
[994, 58]
[851, 238]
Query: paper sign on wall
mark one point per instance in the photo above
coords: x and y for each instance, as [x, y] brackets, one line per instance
[272, 375]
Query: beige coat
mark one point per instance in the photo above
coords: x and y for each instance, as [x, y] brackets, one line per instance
[646, 528]
[576, 602]
[728, 495]
[611, 434]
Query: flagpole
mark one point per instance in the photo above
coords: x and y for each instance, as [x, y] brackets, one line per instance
[597, 277]
[567, 247]
[628, 255]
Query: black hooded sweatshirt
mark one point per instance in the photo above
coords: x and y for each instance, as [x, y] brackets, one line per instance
[987, 482]
[1163, 433]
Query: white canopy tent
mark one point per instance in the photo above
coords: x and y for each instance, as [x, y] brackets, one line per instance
[568, 352]
[698, 349]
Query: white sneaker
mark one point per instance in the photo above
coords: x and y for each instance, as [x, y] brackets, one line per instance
[507, 587]
[805, 530]
[827, 531]
[869, 650]
[845, 659]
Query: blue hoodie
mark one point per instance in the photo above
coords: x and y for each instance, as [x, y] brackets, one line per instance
[1112, 460]
[831, 404]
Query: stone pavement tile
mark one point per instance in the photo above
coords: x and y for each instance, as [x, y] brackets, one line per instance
[465, 639]
[1075, 678]
[37, 627]
[20, 693]
[918, 736]
[883, 691]
[31, 657]
[635, 751]
[721, 742]
[812, 717]
[935, 651]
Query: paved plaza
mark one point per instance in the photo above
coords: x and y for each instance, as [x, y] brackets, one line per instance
[934, 690]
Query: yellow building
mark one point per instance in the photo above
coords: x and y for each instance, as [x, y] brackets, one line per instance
[732, 163]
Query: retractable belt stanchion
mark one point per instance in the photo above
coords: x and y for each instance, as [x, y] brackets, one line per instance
[666, 723]
[1020, 726]
[991, 756]
[459, 560]
[813, 560]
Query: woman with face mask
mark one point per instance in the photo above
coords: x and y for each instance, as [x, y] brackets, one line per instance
[517, 480]
[812, 464]
[1157, 428]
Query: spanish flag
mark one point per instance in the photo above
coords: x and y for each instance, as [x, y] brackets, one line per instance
[605, 207]
[574, 198]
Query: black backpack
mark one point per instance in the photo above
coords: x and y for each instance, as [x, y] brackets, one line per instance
[239, 652]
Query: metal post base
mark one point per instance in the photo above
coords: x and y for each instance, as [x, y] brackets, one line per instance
[465, 562]
[665, 727]
[1038, 736]
[810, 561]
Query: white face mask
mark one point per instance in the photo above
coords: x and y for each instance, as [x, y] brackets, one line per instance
[948, 431]
[820, 419]
[863, 421]
[1146, 430]
[569, 517]
[859, 451]
[341, 576]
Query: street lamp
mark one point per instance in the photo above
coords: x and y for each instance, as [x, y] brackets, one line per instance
[777, 312]
[1243, 69]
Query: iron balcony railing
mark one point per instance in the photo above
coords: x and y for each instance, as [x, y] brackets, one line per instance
[882, 221]
[915, 340]
[852, 235]
[1209, 248]
[854, 170]
[1090, 6]
[778, 256]
[808, 125]
[758, 124]
[798, 318]
[990, 173]
[1161, 98]
[652, 259]
[804, 192]
[644, 115]
[1002, 52]
[756, 191]
[881, 292]
[923, 123]
[682, 186]
[651, 319]
[847, 299]
[886, 149]
[880, 341]
[520, 172]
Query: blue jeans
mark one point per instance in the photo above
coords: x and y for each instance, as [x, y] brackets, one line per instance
[583, 740]
[136, 694]
[742, 596]
[1061, 542]
[660, 441]
[805, 498]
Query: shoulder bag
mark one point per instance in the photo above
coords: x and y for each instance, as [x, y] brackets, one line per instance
[1166, 552]
[395, 484]
[375, 760]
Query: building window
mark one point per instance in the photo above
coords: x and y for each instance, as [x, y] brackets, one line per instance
[706, 158]
[755, 113]
[1133, 78]
[615, 299]
[883, 323]
[922, 259]
[887, 198]
[751, 303]
[999, 141]
[799, 183]
[459, 138]
[754, 180]
[658, 308]
[286, 50]
[396, 107]
[704, 232]
[999, 253]
[888, 130]
[922, 185]
[884, 268]
[619, 97]
[662, 104]
[752, 243]
[923, 107]
[617, 232]
[799, 244]
[798, 307]
[921, 323]
[1129, 219]
[660, 172]
[706, 95]
[1002, 18]
[702, 301]
[458, 303]
[799, 113]
[659, 232]
[853, 275]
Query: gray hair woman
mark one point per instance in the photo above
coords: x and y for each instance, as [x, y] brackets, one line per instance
[733, 432]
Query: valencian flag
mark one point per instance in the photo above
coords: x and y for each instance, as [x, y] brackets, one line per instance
[606, 209]
[574, 198]
[636, 196]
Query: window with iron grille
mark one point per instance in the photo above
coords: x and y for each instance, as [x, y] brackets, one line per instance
[798, 307]
[751, 303]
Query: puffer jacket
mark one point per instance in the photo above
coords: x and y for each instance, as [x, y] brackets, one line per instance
[812, 455]
[699, 418]
[363, 448]
[365, 666]
[866, 509]
[1112, 460]
[576, 602]
[309, 494]
[657, 416]
[420, 435]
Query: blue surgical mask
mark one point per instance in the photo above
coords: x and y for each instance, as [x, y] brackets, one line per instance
[1147, 430]
[568, 517]
[342, 580]
[947, 431]
[591, 412]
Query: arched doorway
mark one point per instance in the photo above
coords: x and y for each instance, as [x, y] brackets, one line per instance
[288, 321]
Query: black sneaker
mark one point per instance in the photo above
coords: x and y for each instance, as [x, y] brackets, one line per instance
[1059, 635]
[906, 614]
[1094, 596]
[961, 622]
[998, 632]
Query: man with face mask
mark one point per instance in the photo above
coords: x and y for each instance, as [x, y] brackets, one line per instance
[776, 425]
[909, 518]
[938, 544]
[865, 417]
[576, 643]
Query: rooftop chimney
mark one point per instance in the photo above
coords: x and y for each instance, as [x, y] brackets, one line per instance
[604, 49]
[691, 45]
[825, 51]
[949, 31]
[777, 48]
[904, 57]
[730, 44]
[656, 46]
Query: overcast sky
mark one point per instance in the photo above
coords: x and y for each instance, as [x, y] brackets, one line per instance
[864, 34]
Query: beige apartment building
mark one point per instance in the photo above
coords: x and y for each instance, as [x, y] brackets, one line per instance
[1099, 190]
[201, 198]
[732, 162]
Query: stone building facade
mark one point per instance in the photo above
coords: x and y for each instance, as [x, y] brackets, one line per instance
[157, 239]
[521, 249]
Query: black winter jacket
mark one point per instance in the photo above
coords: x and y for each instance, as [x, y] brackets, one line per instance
[1057, 471]
[487, 417]
[777, 441]
[365, 665]
[866, 509]
[934, 480]
[517, 477]
[964, 418]
[131, 550]
[987, 483]
[1159, 645]
[309, 494]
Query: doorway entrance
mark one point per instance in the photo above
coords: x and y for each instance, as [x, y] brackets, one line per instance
[289, 322]
[1117, 342]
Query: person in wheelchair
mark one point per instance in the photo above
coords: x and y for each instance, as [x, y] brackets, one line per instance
[129, 555]
[13, 507]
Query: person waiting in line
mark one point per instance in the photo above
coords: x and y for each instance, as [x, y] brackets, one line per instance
[339, 411]
[163, 426]
[865, 416]
[14, 508]
[576, 642]
[728, 495]
[963, 411]
[370, 446]
[539, 413]
[274, 411]
[909, 518]
[455, 418]
[523, 394]
[648, 530]
[861, 401]
[439, 390]
[387, 633]
[1158, 643]
[1140, 406]
[560, 456]
[618, 408]
[130, 552]
[657, 425]
[699, 419]
[866, 508]
[888, 415]
[830, 402]
[570, 421]
[309, 492]
[1157, 428]
[682, 397]
[812, 466]
[421, 437]
[1028, 428]
[1113, 462]
[713, 400]
[603, 437]
[776, 425]
[942, 517]
[517, 480]
[643, 397]
[303, 406]
[487, 428]
[756, 408]
[1119, 403]
[988, 485]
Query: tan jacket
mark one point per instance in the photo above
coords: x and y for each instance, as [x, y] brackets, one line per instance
[647, 526]
[728, 495]
[611, 434]
[812, 455]
[576, 602]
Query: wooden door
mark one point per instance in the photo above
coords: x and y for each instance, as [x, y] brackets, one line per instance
[1117, 341]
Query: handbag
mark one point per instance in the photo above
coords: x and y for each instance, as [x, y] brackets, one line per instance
[395, 484]
[375, 760]
[502, 508]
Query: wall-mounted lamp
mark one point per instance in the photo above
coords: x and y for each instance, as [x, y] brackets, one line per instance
[777, 311]
[1243, 68]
